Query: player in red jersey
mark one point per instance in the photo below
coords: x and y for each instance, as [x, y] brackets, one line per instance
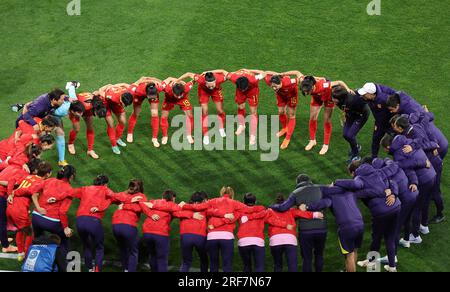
[30, 152]
[25, 134]
[210, 85]
[116, 98]
[8, 179]
[18, 208]
[247, 88]
[320, 91]
[95, 106]
[145, 88]
[55, 198]
[286, 90]
[176, 92]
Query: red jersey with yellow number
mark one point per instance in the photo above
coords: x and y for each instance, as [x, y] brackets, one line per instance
[22, 195]
[322, 90]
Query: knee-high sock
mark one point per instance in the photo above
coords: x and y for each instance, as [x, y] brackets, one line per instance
[254, 125]
[155, 126]
[20, 241]
[90, 135]
[312, 129]
[119, 131]
[189, 125]
[291, 128]
[28, 241]
[222, 117]
[112, 136]
[205, 124]
[241, 116]
[72, 137]
[132, 123]
[283, 120]
[327, 128]
[61, 147]
[164, 126]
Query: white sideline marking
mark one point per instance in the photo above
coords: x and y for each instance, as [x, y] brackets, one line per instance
[8, 256]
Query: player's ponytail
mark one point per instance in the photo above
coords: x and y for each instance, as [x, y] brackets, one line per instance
[127, 98]
[101, 180]
[33, 151]
[151, 89]
[33, 164]
[307, 84]
[135, 186]
[169, 195]
[67, 172]
[275, 79]
[44, 169]
[227, 191]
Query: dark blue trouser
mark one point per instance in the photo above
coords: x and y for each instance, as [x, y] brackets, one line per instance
[351, 129]
[158, 247]
[291, 257]
[3, 223]
[404, 221]
[42, 225]
[420, 212]
[220, 248]
[386, 227]
[128, 240]
[441, 140]
[437, 163]
[189, 242]
[312, 244]
[91, 233]
[377, 136]
[250, 254]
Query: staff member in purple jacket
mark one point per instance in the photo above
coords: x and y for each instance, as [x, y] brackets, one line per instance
[373, 189]
[42, 107]
[400, 186]
[401, 103]
[421, 175]
[417, 133]
[348, 219]
[312, 234]
[376, 96]
[356, 113]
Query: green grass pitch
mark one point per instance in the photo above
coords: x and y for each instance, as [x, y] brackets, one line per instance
[406, 47]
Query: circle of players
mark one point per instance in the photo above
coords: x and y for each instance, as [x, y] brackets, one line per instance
[397, 191]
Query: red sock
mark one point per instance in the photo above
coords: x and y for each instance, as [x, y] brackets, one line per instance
[283, 120]
[90, 135]
[132, 123]
[72, 137]
[164, 126]
[291, 128]
[312, 129]
[155, 126]
[223, 118]
[190, 125]
[28, 241]
[112, 136]
[119, 131]
[241, 116]
[327, 128]
[205, 125]
[20, 241]
[254, 125]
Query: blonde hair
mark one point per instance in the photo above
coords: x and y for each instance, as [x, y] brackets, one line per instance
[227, 191]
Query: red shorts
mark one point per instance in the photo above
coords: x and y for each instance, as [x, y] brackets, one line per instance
[114, 108]
[19, 218]
[203, 95]
[183, 103]
[315, 101]
[138, 100]
[287, 101]
[252, 95]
